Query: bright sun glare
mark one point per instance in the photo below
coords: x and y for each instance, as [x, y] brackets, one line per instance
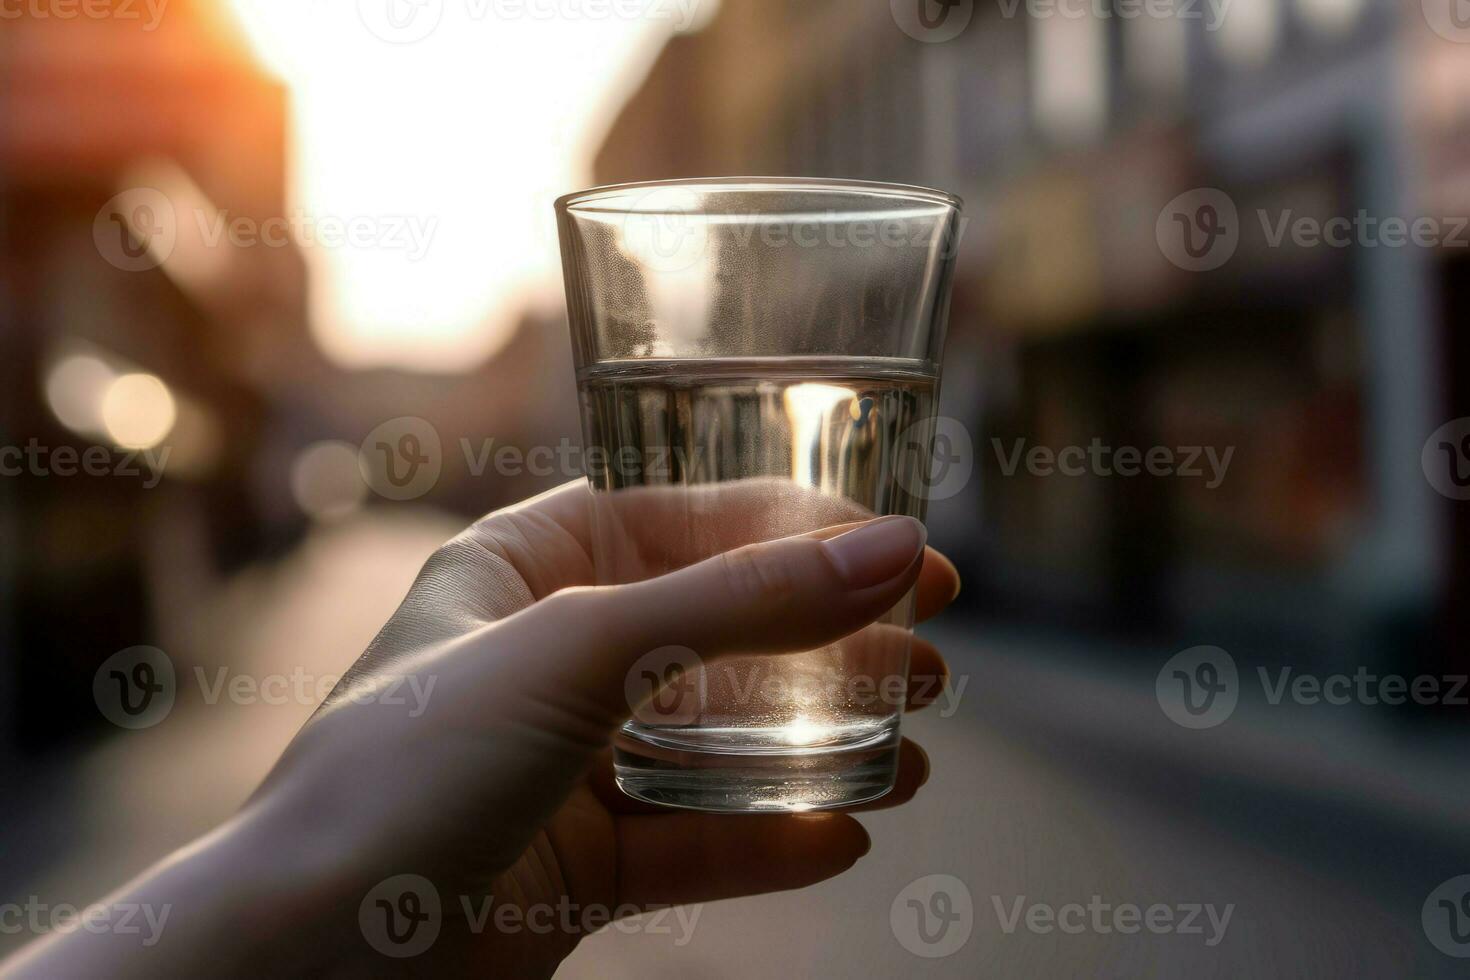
[467, 134]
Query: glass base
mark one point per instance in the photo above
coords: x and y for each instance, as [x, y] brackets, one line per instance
[749, 771]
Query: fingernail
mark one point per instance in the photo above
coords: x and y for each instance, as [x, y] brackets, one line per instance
[877, 551]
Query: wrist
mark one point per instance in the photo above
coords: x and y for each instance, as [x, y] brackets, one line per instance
[230, 899]
[287, 897]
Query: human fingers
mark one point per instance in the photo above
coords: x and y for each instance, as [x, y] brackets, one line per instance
[779, 596]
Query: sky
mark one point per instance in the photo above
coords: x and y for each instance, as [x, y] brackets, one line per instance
[442, 130]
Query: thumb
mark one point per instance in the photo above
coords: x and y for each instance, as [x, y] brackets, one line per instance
[574, 648]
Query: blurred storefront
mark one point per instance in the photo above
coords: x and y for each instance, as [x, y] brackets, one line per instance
[122, 320]
[1321, 370]
[154, 231]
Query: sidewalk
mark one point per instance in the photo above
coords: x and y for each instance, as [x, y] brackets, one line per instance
[1351, 761]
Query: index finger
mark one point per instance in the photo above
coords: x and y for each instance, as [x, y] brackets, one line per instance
[641, 532]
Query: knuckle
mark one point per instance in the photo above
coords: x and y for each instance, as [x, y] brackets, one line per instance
[443, 568]
[578, 604]
[454, 553]
[757, 575]
[587, 614]
[460, 563]
[500, 533]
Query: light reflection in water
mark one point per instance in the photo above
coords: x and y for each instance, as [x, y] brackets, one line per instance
[809, 407]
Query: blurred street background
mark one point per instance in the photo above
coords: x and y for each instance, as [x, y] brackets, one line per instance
[248, 247]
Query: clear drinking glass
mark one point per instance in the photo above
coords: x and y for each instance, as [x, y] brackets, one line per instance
[756, 357]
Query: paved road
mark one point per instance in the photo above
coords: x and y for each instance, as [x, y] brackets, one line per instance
[1027, 817]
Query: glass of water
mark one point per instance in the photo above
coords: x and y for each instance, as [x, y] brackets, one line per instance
[756, 357]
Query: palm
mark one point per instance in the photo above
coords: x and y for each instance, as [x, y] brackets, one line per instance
[600, 853]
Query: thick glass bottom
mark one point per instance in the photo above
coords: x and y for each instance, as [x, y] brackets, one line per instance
[749, 770]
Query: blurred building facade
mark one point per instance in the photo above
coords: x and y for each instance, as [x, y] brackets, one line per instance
[1322, 369]
[148, 226]
[94, 107]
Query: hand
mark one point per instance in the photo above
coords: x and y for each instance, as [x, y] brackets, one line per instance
[501, 784]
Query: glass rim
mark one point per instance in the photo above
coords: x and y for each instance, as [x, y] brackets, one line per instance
[914, 193]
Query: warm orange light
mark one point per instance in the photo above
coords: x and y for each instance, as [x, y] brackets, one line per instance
[445, 129]
[75, 387]
[138, 411]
